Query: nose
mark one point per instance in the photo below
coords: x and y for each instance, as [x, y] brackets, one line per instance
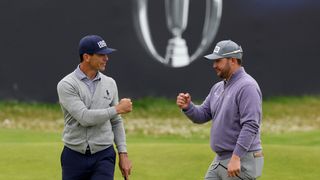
[214, 64]
[106, 58]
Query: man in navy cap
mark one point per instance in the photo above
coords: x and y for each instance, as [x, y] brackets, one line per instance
[235, 107]
[92, 121]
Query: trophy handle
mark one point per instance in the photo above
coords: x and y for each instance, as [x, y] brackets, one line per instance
[210, 28]
[211, 24]
[140, 17]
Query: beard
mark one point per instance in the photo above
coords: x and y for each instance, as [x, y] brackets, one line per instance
[224, 73]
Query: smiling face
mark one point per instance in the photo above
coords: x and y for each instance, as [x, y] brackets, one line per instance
[91, 64]
[97, 62]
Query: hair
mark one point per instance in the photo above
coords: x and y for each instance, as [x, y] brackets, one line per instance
[81, 56]
[239, 61]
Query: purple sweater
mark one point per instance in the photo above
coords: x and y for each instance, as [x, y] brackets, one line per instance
[235, 108]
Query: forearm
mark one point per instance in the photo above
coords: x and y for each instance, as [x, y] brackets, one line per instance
[246, 137]
[119, 134]
[197, 114]
[73, 105]
[250, 110]
[93, 117]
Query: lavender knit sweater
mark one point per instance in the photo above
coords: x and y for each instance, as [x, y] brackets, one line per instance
[235, 108]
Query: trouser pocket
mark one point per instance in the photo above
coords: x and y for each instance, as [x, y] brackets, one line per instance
[259, 161]
[252, 164]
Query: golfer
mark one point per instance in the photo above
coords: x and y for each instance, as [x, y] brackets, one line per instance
[92, 121]
[234, 105]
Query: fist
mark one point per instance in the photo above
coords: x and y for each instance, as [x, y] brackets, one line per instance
[124, 106]
[183, 100]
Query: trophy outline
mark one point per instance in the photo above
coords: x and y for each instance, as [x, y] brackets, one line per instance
[213, 12]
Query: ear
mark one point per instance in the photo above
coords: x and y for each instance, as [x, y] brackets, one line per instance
[86, 57]
[234, 61]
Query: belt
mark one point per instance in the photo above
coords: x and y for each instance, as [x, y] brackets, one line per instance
[258, 154]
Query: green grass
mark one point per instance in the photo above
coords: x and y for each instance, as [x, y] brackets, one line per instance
[32, 110]
[162, 108]
[161, 117]
[150, 107]
[30, 161]
[291, 113]
[33, 155]
[162, 143]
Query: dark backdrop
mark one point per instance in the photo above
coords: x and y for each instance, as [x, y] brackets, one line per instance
[39, 40]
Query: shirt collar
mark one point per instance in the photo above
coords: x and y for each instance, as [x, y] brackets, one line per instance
[82, 76]
[235, 76]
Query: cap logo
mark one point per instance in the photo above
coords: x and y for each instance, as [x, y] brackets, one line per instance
[102, 44]
[216, 49]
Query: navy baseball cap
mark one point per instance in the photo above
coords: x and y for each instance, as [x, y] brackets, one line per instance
[93, 44]
[226, 49]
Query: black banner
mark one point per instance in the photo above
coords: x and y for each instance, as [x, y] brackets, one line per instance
[39, 46]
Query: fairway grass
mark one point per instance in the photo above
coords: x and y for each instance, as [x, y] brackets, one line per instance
[30, 161]
[33, 155]
[161, 117]
[162, 143]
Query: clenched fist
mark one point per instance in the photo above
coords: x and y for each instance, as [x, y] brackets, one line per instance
[183, 100]
[124, 106]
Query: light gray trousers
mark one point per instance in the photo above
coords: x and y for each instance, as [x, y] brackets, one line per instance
[251, 168]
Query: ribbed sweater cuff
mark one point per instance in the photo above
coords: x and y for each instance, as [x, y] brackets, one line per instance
[239, 150]
[112, 112]
[122, 148]
[188, 109]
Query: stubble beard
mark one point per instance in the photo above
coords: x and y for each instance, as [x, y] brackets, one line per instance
[225, 72]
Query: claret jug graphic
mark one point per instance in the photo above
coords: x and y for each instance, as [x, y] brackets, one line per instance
[177, 54]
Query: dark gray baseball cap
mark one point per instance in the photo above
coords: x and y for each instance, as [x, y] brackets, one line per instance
[226, 49]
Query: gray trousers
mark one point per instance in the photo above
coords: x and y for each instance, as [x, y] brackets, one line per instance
[251, 168]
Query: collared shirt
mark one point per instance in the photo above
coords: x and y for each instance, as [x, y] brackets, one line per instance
[90, 120]
[92, 84]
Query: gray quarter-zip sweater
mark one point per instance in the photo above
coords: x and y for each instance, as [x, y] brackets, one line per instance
[235, 108]
[90, 119]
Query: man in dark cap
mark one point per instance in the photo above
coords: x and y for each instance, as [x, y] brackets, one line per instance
[92, 121]
[235, 107]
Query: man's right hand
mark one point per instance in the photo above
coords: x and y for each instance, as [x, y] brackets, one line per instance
[124, 106]
[183, 100]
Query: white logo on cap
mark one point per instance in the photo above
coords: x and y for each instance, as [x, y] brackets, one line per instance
[102, 44]
[216, 49]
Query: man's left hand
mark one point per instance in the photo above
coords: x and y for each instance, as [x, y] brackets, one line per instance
[125, 165]
[234, 166]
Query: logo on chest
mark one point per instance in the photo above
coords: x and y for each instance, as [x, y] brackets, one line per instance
[108, 95]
